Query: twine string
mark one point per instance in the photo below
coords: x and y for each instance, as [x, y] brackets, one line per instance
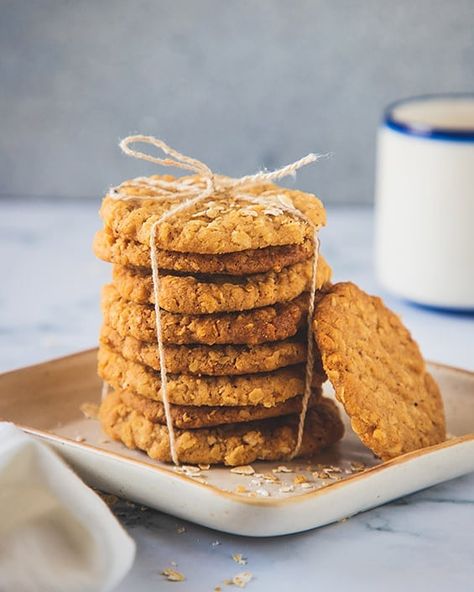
[309, 348]
[189, 192]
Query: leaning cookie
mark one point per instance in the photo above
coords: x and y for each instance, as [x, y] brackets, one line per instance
[267, 389]
[377, 372]
[234, 444]
[208, 294]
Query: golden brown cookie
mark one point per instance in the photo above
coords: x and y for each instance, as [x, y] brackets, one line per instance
[220, 224]
[211, 360]
[234, 444]
[267, 389]
[192, 417]
[122, 251]
[208, 294]
[271, 323]
[378, 372]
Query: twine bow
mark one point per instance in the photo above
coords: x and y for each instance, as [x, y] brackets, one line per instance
[187, 193]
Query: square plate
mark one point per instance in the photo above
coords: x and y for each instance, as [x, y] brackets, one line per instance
[45, 401]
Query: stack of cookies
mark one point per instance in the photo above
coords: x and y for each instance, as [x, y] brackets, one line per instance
[234, 278]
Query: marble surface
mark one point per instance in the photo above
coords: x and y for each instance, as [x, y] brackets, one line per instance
[49, 307]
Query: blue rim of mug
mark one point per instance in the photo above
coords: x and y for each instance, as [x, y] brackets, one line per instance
[425, 131]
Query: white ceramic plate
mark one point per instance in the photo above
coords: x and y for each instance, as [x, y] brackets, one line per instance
[45, 399]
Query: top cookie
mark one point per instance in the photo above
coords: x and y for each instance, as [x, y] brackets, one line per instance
[220, 224]
[377, 372]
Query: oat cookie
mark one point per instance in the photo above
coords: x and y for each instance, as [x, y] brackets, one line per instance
[267, 389]
[122, 251]
[192, 417]
[223, 360]
[233, 445]
[220, 224]
[378, 372]
[271, 323]
[208, 294]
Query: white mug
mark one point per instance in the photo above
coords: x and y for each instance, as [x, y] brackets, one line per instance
[425, 200]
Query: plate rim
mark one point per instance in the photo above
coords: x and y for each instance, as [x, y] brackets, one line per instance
[235, 497]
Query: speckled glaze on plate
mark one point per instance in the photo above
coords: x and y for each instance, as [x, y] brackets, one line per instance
[45, 401]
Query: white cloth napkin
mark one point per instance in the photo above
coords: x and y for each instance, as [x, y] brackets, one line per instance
[56, 534]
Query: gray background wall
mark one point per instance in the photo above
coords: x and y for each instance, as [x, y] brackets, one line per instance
[241, 85]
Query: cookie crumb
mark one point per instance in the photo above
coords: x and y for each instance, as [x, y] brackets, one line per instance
[204, 467]
[243, 470]
[180, 529]
[299, 479]
[357, 467]
[241, 489]
[79, 439]
[239, 558]
[241, 579]
[286, 489]
[172, 575]
[263, 492]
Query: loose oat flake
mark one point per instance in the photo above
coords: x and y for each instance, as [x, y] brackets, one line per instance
[90, 410]
[270, 478]
[243, 470]
[172, 575]
[199, 479]
[191, 470]
[282, 469]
